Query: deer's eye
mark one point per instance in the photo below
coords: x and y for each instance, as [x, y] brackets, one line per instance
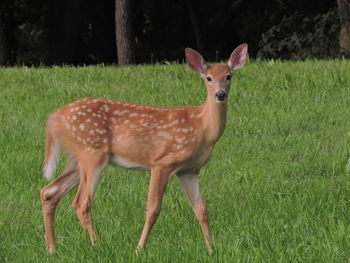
[208, 78]
[228, 77]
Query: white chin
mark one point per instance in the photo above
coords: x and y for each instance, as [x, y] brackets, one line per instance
[220, 101]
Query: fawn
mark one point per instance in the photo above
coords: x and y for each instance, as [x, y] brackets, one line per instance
[95, 132]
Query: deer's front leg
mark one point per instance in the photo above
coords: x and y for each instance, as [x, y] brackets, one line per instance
[158, 182]
[190, 183]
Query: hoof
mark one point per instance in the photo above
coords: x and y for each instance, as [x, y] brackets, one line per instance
[138, 250]
[93, 238]
[51, 249]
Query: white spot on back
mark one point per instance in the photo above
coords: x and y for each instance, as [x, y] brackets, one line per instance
[174, 122]
[180, 139]
[177, 146]
[165, 135]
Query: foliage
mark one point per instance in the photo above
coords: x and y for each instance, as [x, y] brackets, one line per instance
[276, 187]
[301, 37]
[25, 29]
[80, 32]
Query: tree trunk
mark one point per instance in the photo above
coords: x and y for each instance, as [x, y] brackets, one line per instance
[344, 36]
[124, 33]
[3, 46]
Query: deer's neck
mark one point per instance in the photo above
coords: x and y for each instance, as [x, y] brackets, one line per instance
[214, 117]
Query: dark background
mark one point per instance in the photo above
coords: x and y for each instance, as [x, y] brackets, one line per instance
[41, 32]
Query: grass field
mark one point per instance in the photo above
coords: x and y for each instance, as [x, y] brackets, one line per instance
[277, 187]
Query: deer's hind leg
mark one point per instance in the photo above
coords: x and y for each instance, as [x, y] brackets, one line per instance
[91, 167]
[51, 194]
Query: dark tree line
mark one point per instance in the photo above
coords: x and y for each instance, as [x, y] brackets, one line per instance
[344, 37]
[146, 31]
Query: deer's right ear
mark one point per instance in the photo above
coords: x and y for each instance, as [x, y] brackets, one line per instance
[195, 61]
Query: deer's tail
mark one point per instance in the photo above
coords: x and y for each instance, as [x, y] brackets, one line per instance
[52, 154]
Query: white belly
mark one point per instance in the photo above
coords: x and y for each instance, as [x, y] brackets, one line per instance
[119, 161]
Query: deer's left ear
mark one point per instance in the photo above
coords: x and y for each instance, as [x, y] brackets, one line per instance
[238, 57]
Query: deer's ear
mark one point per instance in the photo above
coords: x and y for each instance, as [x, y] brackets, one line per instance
[195, 61]
[238, 57]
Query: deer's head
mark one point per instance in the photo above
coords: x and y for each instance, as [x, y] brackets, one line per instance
[217, 77]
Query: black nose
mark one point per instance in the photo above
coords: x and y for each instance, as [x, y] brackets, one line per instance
[220, 95]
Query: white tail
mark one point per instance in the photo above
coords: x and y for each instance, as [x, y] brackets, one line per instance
[95, 132]
[51, 157]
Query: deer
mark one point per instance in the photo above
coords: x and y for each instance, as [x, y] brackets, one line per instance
[96, 132]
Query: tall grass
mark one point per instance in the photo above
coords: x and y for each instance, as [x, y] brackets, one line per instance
[277, 187]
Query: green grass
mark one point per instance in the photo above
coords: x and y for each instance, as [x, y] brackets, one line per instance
[277, 188]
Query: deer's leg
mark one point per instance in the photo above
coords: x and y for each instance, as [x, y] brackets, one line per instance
[51, 194]
[90, 171]
[190, 183]
[158, 182]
